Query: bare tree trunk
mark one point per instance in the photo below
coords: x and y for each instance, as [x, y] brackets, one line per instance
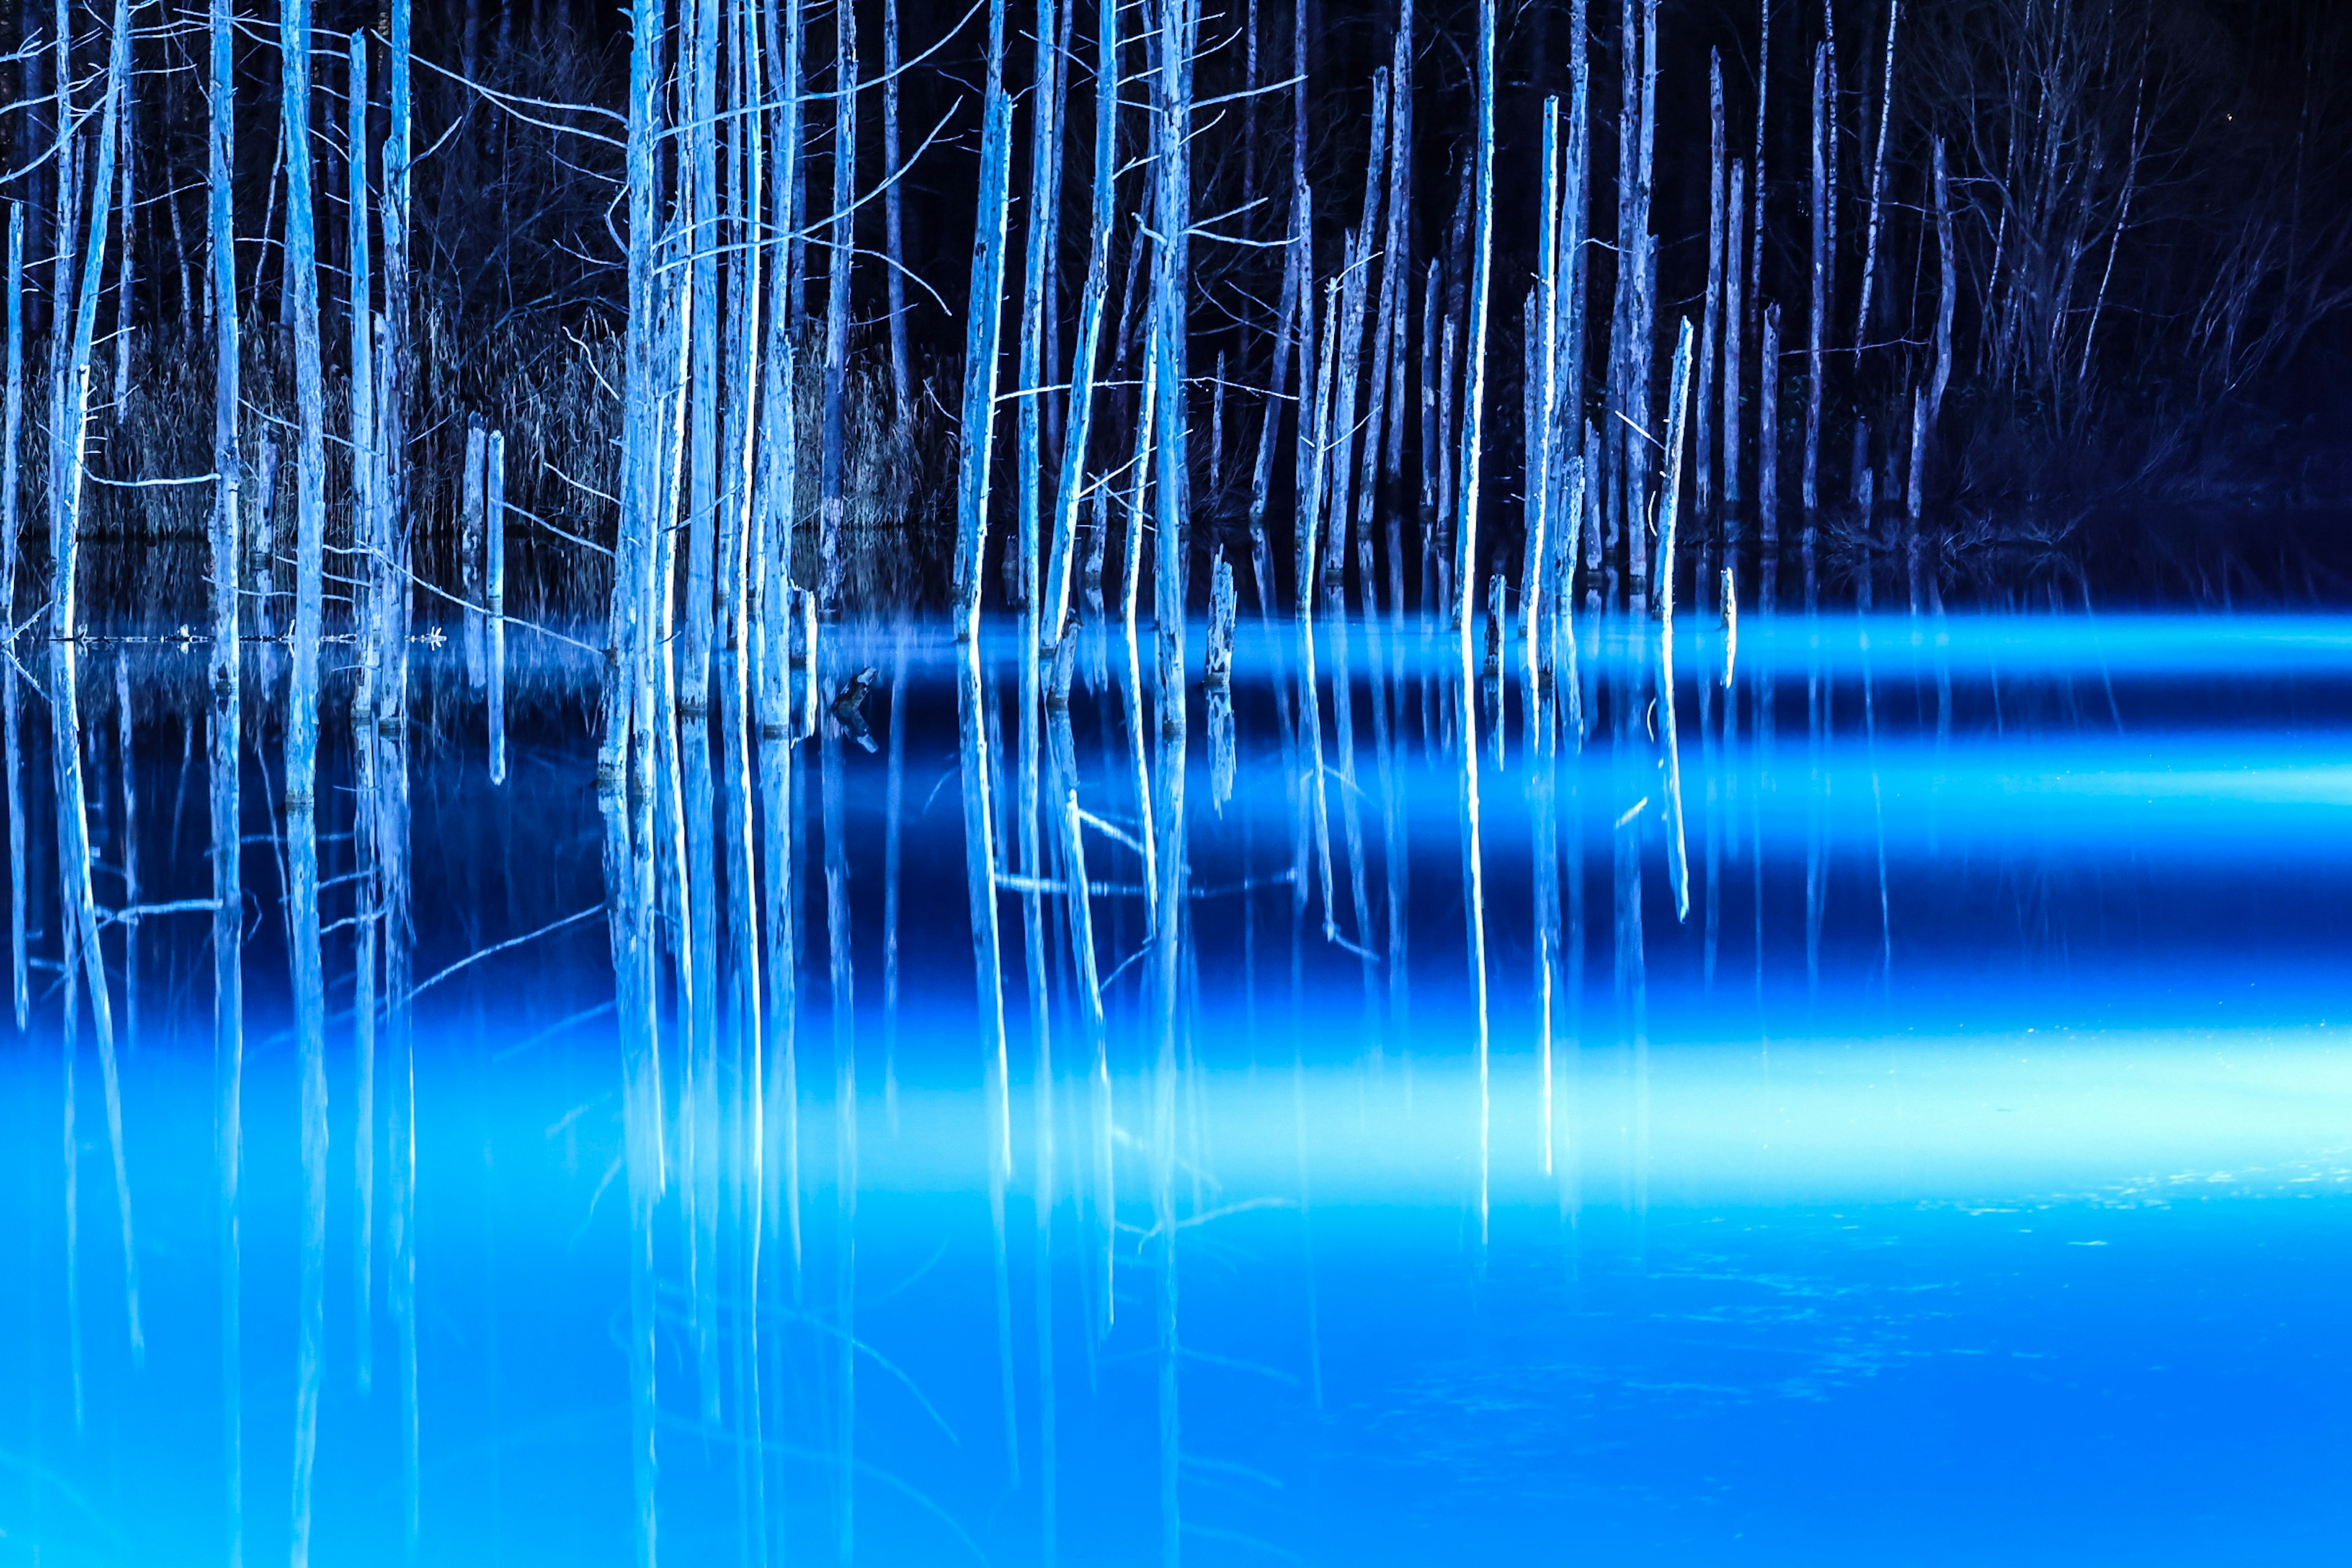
[1640, 320]
[1817, 323]
[12, 424]
[984, 325]
[1735, 213]
[1947, 290]
[67, 225]
[1763, 100]
[1712, 332]
[1466, 558]
[1044, 164]
[1036, 369]
[79, 906]
[1768, 462]
[832, 503]
[126, 273]
[301, 277]
[1473, 395]
[1877, 180]
[624, 764]
[1542, 383]
[745, 1135]
[1669, 744]
[225, 747]
[1570, 323]
[1093, 300]
[1670, 488]
[1307, 487]
[1432, 446]
[1171, 281]
[391, 720]
[469, 545]
[901, 364]
[493, 504]
[777, 484]
[1315, 446]
[1354, 292]
[366, 646]
[1286, 318]
[1385, 408]
[393, 361]
[1616, 436]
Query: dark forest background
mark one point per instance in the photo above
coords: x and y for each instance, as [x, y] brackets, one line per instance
[2149, 207]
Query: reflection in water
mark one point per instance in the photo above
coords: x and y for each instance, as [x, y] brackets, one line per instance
[1459, 1248]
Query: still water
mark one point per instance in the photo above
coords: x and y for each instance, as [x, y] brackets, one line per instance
[1876, 1094]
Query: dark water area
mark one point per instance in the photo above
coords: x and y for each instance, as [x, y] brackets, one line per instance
[1876, 1094]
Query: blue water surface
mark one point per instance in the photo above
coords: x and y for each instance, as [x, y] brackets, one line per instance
[1891, 1105]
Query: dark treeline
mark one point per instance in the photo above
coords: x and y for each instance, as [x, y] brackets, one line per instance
[2012, 262]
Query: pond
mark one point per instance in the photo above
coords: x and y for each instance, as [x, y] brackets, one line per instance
[1840, 1088]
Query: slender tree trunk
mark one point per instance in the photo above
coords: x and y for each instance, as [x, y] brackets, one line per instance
[493, 504]
[1384, 410]
[983, 331]
[1036, 369]
[1817, 323]
[393, 365]
[1763, 100]
[469, 545]
[225, 747]
[689, 659]
[1670, 752]
[1703, 515]
[1768, 462]
[366, 645]
[66, 226]
[832, 500]
[777, 485]
[72, 801]
[391, 612]
[1092, 302]
[1678, 409]
[300, 276]
[1473, 395]
[902, 361]
[1571, 324]
[1642, 330]
[1287, 314]
[1432, 446]
[1044, 162]
[1735, 213]
[12, 425]
[125, 285]
[1542, 398]
[1466, 507]
[1171, 283]
[1877, 180]
[1354, 292]
[1948, 292]
[746, 1134]
[624, 764]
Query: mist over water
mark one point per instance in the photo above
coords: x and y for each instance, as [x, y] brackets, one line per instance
[1867, 1091]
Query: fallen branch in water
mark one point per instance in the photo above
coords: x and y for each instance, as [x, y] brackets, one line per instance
[423, 986]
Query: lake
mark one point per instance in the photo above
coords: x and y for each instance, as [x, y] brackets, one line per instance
[1849, 1089]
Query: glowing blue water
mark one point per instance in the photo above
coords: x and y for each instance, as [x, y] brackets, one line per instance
[2009, 1226]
